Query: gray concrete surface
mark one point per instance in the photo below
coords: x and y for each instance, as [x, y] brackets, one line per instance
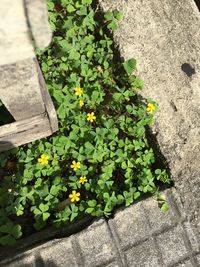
[138, 236]
[163, 36]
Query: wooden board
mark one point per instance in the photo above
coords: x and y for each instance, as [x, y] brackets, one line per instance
[34, 128]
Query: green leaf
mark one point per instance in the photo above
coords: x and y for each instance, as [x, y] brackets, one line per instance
[112, 25]
[73, 216]
[82, 11]
[92, 203]
[118, 15]
[54, 190]
[108, 15]
[165, 207]
[138, 83]
[37, 211]
[130, 66]
[137, 195]
[89, 210]
[43, 207]
[95, 96]
[61, 111]
[45, 216]
[7, 240]
[70, 8]
[89, 147]
[86, 2]
[128, 198]
[16, 231]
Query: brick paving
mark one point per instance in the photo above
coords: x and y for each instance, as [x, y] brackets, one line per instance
[138, 236]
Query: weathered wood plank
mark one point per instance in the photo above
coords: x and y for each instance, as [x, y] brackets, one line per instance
[47, 100]
[20, 89]
[25, 131]
[21, 126]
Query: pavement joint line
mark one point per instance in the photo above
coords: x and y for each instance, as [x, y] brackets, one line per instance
[164, 229]
[104, 264]
[188, 246]
[180, 260]
[152, 234]
[116, 241]
[192, 234]
[136, 243]
[190, 254]
[38, 261]
[158, 252]
[128, 246]
[86, 255]
[186, 238]
[174, 203]
[77, 251]
[179, 222]
[179, 211]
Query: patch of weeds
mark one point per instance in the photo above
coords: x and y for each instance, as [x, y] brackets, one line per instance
[100, 157]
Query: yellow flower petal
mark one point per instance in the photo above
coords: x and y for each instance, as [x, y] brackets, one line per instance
[150, 108]
[91, 117]
[78, 91]
[81, 103]
[75, 196]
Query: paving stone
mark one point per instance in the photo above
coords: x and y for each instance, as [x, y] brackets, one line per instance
[158, 220]
[130, 225]
[143, 255]
[26, 261]
[171, 245]
[59, 253]
[185, 264]
[96, 245]
[174, 197]
[198, 259]
[192, 237]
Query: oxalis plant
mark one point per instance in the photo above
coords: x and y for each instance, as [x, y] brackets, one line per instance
[100, 157]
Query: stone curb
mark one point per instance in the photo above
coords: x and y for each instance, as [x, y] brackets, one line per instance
[43, 236]
[140, 235]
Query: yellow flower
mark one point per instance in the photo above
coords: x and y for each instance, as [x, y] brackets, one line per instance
[151, 108]
[81, 103]
[91, 117]
[44, 159]
[83, 180]
[78, 91]
[75, 165]
[74, 196]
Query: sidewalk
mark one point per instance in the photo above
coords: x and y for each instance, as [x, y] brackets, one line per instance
[138, 236]
[164, 37]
